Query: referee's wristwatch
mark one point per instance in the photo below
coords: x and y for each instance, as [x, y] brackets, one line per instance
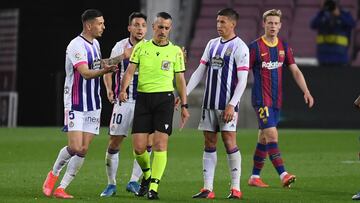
[186, 106]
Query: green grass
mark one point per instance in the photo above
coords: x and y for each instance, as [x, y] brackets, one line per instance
[325, 162]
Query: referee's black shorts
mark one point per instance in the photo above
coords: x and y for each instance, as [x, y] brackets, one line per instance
[153, 111]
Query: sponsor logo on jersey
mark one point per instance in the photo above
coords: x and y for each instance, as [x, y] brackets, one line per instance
[271, 65]
[263, 54]
[217, 62]
[96, 64]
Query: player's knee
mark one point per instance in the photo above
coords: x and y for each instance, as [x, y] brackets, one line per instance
[114, 145]
[76, 149]
[139, 151]
[160, 146]
[210, 144]
[83, 150]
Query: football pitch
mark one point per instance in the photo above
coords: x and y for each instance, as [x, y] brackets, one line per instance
[325, 162]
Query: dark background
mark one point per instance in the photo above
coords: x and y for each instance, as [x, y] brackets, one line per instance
[46, 28]
[334, 90]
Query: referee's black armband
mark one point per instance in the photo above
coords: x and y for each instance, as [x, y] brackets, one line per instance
[186, 106]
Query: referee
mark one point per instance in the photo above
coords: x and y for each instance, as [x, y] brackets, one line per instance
[157, 62]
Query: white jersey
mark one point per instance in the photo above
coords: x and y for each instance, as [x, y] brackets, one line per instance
[223, 60]
[81, 94]
[117, 50]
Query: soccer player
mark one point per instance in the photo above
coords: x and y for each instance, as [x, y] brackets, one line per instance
[157, 61]
[122, 115]
[268, 56]
[225, 62]
[82, 101]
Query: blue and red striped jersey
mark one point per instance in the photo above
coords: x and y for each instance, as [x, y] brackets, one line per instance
[267, 62]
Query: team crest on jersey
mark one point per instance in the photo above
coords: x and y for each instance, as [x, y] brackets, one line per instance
[281, 53]
[165, 65]
[217, 62]
[71, 124]
[228, 51]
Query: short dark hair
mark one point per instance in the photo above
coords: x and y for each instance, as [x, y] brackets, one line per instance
[230, 13]
[164, 15]
[136, 15]
[90, 14]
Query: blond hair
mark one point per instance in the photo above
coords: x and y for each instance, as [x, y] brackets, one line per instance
[272, 12]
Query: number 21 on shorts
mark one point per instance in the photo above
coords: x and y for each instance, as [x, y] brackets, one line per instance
[263, 112]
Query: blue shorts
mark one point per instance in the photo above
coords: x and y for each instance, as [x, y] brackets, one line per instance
[267, 116]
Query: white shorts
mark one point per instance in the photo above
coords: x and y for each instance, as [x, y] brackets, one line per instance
[212, 120]
[121, 118]
[84, 121]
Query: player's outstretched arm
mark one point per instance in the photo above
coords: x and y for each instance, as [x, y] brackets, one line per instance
[117, 59]
[300, 81]
[89, 73]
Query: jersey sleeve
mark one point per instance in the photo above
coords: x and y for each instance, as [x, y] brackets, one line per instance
[116, 50]
[205, 58]
[76, 54]
[179, 65]
[252, 53]
[289, 56]
[242, 58]
[135, 55]
[119, 48]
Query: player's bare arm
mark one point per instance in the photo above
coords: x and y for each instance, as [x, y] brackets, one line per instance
[300, 81]
[129, 73]
[89, 74]
[181, 88]
[108, 86]
[117, 59]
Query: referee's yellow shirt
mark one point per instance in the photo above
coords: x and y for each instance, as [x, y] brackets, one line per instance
[157, 66]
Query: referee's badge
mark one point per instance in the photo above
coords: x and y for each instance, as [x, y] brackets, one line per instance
[165, 65]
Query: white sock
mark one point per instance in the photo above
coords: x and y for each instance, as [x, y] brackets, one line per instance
[136, 172]
[234, 162]
[209, 164]
[72, 169]
[112, 162]
[62, 159]
[283, 174]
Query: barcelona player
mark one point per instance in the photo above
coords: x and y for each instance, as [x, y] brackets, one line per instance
[269, 55]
